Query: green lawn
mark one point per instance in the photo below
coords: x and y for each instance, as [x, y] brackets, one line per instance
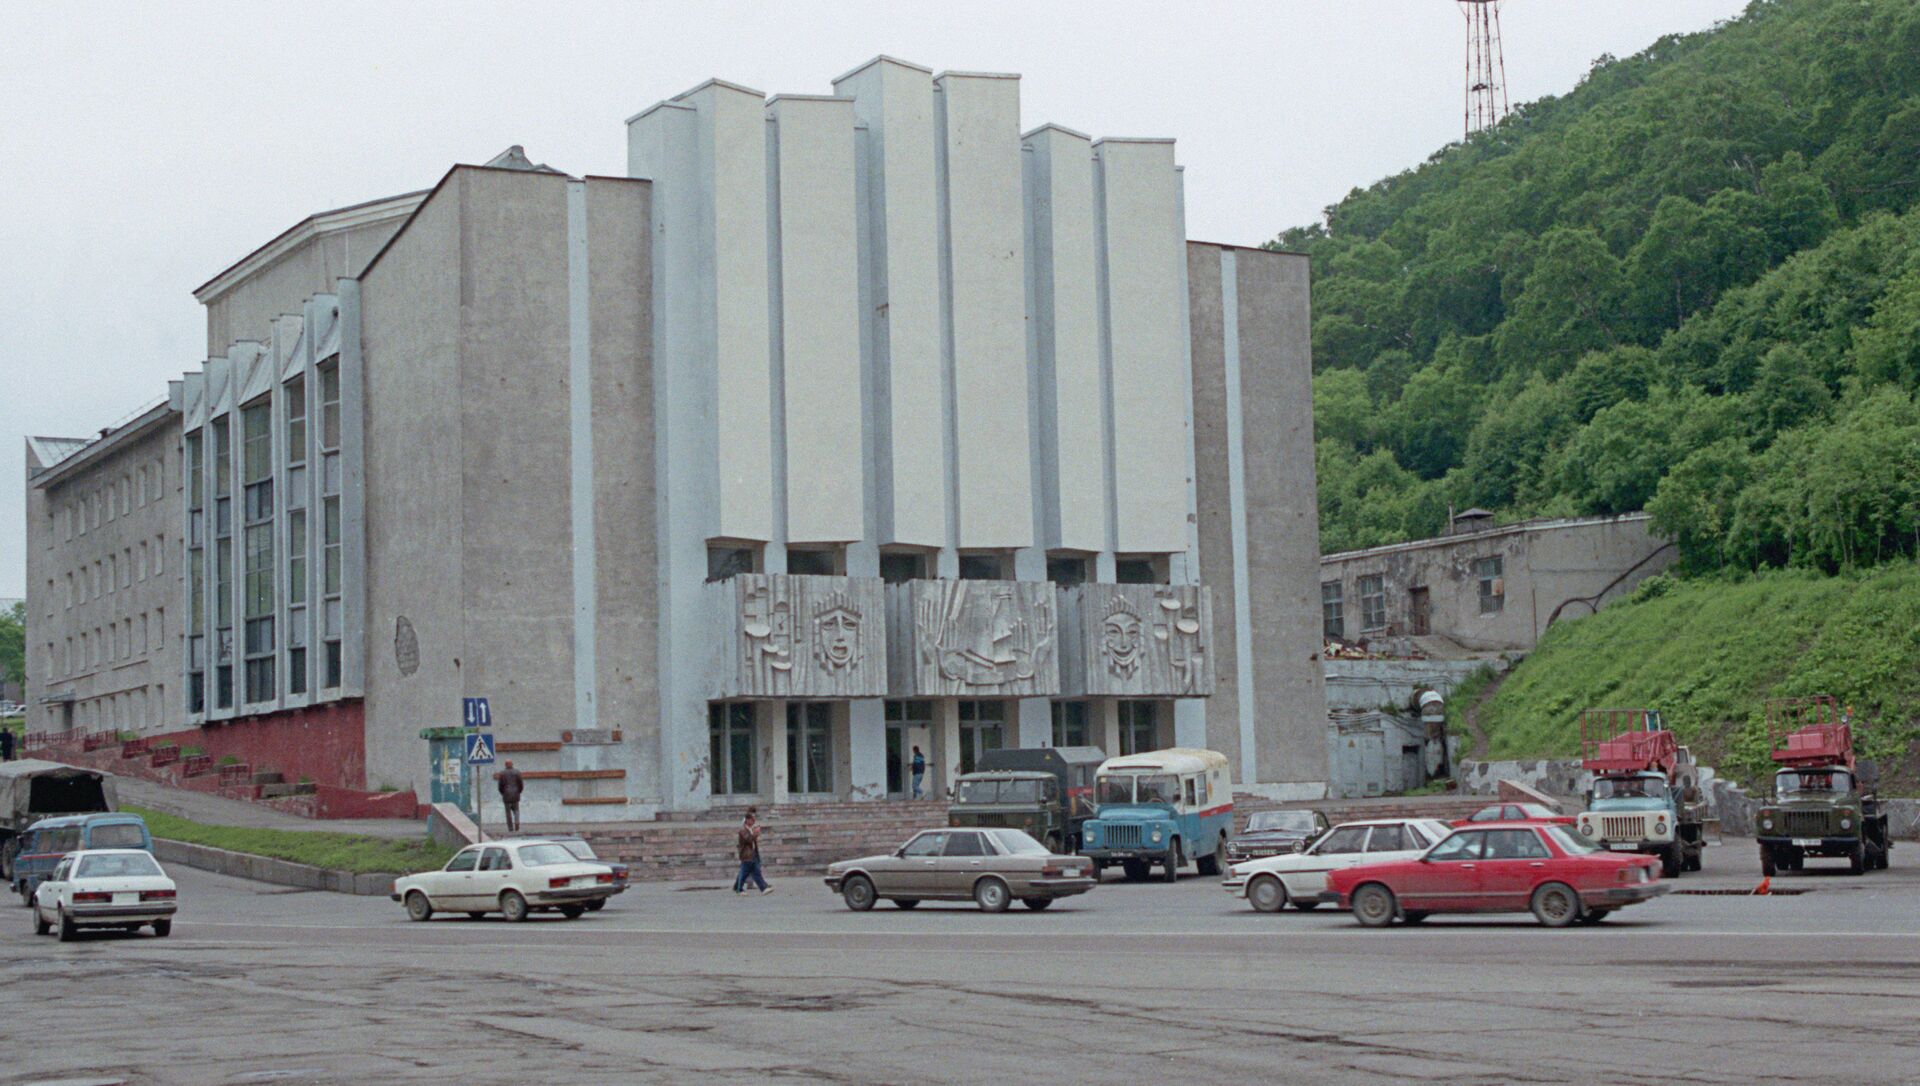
[1709, 653]
[339, 851]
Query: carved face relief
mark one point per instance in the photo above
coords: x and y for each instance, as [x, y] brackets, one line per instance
[836, 634]
[1121, 641]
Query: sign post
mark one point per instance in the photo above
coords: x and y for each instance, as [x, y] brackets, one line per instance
[479, 753]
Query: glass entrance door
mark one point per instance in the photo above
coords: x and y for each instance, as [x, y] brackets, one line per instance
[909, 726]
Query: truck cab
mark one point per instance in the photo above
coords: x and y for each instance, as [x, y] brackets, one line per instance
[1045, 791]
[1645, 792]
[1163, 808]
[1823, 802]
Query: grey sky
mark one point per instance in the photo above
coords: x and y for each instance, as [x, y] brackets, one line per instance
[143, 148]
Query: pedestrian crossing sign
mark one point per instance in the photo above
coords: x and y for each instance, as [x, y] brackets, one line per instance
[479, 748]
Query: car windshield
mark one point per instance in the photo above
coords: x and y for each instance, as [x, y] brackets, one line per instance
[1116, 788]
[544, 855]
[1294, 821]
[1017, 843]
[1571, 841]
[1794, 781]
[117, 835]
[1019, 791]
[977, 792]
[124, 866]
[1159, 788]
[1629, 788]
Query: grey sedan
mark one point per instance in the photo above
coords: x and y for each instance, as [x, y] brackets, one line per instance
[992, 867]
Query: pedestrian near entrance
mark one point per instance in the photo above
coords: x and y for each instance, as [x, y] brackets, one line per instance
[510, 784]
[6, 745]
[919, 771]
[750, 855]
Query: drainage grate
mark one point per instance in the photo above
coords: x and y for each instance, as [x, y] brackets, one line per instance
[1741, 893]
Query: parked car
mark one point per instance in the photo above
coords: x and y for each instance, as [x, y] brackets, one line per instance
[1502, 867]
[1299, 878]
[1276, 833]
[121, 888]
[41, 848]
[993, 867]
[1515, 812]
[512, 878]
[581, 850]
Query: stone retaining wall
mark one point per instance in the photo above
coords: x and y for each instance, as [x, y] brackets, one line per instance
[245, 865]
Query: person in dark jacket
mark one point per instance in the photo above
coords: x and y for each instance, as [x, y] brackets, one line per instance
[749, 842]
[919, 771]
[6, 745]
[510, 785]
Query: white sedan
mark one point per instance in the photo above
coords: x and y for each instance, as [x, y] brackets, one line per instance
[1270, 884]
[512, 878]
[121, 888]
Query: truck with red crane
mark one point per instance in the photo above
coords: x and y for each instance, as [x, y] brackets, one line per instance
[1823, 800]
[1645, 795]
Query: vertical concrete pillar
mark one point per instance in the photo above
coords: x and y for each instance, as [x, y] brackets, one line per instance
[946, 747]
[1106, 724]
[1190, 722]
[772, 717]
[867, 743]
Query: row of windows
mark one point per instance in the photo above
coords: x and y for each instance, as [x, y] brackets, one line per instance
[128, 639]
[1489, 573]
[117, 499]
[140, 707]
[899, 567]
[116, 571]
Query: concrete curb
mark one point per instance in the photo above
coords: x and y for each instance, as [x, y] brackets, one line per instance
[246, 865]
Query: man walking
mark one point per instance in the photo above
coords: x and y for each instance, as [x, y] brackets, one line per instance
[510, 785]
[750, 856]
[919, 771]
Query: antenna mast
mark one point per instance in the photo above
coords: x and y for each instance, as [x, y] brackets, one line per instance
[1486, 101]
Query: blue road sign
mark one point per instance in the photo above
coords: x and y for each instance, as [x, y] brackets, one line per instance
[475, 713]
[479, 749]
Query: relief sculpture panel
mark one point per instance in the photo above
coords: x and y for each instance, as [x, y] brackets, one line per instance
[974, 639]
[800, 636]
[1138, 640]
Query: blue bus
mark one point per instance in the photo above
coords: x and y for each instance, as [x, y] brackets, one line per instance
[1163, 807]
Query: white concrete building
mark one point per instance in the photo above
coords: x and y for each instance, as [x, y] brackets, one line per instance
[846, 424]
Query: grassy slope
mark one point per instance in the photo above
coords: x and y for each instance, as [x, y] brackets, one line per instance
[1709, 653]
[338, 851]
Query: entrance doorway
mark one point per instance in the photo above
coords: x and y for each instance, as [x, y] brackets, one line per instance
[1422, 610]
[909, 725]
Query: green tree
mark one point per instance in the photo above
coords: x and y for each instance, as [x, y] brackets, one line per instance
[1693, 504]
[13, 644]
[1567, 305]
[1342, 410]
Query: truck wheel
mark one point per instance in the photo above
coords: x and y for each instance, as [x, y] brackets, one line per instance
[1670, 861]
[1266, 894]
[1216, 863]
[1373, 905]
[1136, 870]
[1174, 860]
[1857, 859]
[1556, 905]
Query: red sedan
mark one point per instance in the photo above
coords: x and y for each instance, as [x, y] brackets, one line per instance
[1515, 812]
[1500, 867]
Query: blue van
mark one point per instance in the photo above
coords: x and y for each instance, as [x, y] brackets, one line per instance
[49, 839]
[1163, 807]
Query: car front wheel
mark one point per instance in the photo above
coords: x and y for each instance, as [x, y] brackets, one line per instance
[1267, 894]
[418, 907]
[1373, 905]
[1556, 905]
[513, 906]
[858, 893]
[991, 895]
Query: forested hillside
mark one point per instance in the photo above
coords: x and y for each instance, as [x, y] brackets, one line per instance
[1690, 285]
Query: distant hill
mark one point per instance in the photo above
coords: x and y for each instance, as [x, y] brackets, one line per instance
[1708, 652]
[1691, 285]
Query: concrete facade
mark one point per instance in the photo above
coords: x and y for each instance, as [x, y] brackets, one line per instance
[1489, 589]
[847, 424]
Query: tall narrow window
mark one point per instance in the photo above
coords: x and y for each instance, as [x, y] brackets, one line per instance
[1373, 602]
[1070, 724]
[223, 563]
[1333, 616]
[1491, 572]
[730, 741]
[1139, 727]
[256, 467]
[809, 747]
[330, 587]
[982, 728]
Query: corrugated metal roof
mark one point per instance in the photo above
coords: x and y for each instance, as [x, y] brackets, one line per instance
[51, 450]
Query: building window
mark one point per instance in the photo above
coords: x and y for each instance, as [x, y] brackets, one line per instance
[1070, 724]
[902, 717]
[159, 555]
[296, 598]
[223, 563]
[983, 727]
[1493, 584]
[256, 476]
[809, 747]
[983, 567]
[728, 561]
[1135, 571]
[1139, 727]
[1373, 602]
[813, 563]
[330, 586]
[730, 738]
[1067, 572]
[899, 567]
[1333, 616]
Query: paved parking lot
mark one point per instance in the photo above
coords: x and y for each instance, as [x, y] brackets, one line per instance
[1132, 983]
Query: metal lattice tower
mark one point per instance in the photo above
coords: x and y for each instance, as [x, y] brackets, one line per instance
[1486, 68]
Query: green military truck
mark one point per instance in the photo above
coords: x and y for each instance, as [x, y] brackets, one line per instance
[1046, 791]
[1823, 798]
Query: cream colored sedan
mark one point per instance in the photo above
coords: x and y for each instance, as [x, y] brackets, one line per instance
[512, 878]
[1297, 878]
